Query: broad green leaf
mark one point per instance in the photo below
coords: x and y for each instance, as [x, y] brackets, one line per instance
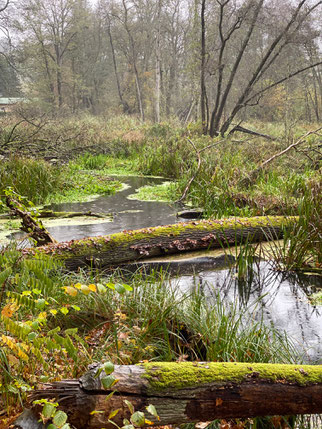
[108, 381]
[152, 410]
[32, 336]
[40, 303]
[60, 418]
[64, 310]
[108, 368]
[120, 288]
[138, 419]
[127, 287]
[101, 288]
[48, 411]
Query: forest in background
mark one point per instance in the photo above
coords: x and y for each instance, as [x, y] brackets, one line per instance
[221, 61]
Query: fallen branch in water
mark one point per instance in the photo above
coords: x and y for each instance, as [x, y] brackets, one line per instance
[30, 224]
[133, 245]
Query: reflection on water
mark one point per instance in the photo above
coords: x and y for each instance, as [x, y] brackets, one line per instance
[283, 302]
[128, 214]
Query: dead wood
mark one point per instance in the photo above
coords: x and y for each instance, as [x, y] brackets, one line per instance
[133, 245]
[252, 176]
[190, 392]
[30, 224]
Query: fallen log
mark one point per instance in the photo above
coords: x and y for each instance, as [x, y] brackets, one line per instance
[132, 245]
[30, 224]
[189, 392]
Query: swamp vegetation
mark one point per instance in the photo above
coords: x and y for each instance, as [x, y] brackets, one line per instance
[54, 322]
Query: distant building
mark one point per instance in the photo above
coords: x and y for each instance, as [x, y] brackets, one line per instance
[7, 103]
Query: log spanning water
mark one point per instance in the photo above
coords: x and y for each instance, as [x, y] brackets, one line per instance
[133, 245]
[189, 392]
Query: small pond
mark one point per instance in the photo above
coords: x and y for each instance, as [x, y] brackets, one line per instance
[284, 299]
[127, 213]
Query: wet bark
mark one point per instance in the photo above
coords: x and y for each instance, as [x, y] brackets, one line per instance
[133, 245]
[30, 224]
[190, 392]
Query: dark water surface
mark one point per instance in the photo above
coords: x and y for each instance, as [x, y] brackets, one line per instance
[284, 299]
[128, 214]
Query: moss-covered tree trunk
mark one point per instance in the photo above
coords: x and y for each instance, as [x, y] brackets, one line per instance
[132, 245]
[191, 392]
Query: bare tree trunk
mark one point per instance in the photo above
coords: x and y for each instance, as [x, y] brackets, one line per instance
[204, 117]
[123, 102]
[215, 120]
[158, 65]
[136, 74]
[271, 54]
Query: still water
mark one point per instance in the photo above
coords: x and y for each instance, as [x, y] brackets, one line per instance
[284, 299]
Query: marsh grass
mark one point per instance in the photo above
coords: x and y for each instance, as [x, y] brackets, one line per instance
[33, 179]
[166, 192]
[301, 247]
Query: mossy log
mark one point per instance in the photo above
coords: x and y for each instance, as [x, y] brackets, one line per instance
[133, 245]
[190, 392]
[33, 226]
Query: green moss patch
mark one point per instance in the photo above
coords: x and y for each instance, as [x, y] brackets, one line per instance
[164, 192]
[176, 375]
[93, 245]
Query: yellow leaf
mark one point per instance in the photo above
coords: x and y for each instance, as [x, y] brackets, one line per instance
[42, 316]
[70, 291]
[22, 355]
[113, 414]
[9, 309]
[92, 287]
[85, 289]
[78, 286]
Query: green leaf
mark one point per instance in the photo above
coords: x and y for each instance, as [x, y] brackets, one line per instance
[64, 310]
[130, 406]
[108, 368]
[120, 288]
[40, 303]
[110, 286]
[60, 418]
[108, 382]
[138, 419]
[151, 409]
[109, 395]
[51, 426]
[43, 378]
[75, 307]
[127, 287]
[48, 411]
[101, 288]
[128, 427]
[32, 336]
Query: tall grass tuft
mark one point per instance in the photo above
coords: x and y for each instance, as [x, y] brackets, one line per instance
[301, 247]
[34, 179]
